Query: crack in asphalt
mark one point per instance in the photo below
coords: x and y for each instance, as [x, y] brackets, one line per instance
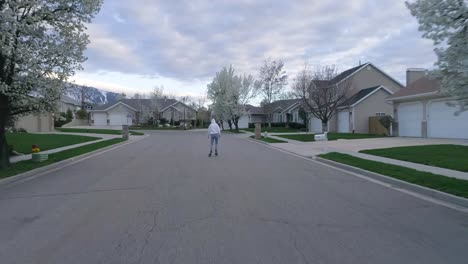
[148, 235]
[73, 193]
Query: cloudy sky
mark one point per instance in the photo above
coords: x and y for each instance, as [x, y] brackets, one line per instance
[138, 44]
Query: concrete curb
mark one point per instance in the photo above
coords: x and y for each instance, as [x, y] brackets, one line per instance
[62, 164]
[445, 197]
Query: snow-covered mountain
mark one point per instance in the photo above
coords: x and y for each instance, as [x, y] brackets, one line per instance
[93, 95]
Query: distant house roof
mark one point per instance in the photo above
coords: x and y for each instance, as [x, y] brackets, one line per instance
[347, 73]
[254, 110]
[284, 104]
[363, 94]
[141, 104]
[68, 100]
[421, 87]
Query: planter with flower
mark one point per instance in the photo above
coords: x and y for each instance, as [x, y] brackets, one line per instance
[37, 156]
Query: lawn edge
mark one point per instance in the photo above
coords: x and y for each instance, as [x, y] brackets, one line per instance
[63, 163]
[264, 142]
[435, 194]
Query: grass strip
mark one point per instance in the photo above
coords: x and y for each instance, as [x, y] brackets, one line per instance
[441, 183]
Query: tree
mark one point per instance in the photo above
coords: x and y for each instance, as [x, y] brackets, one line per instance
[84, 95]
[272, 82]
[446, 23]
[42, 44]
[156, 96]
[218, 92]
[321, 95]
[230, 93]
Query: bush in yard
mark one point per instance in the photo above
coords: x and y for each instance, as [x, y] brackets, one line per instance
[386, 121]
[82, 114]
[163, 121]
[296, 125]
[60, 119]
[150, 121]
[69, 115]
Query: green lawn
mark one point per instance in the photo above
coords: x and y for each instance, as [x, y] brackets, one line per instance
[269, 140]
[452, 157]
[28, 165]
[331, 136]
[22, 142]
[273, 130]
[434, 181]
[97, 131]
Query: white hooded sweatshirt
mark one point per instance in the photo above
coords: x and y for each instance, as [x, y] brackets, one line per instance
[214, 128]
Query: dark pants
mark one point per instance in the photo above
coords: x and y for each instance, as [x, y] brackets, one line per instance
[214, 141]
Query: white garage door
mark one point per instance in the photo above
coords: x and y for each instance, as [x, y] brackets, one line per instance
[100, 119]
[243, 122]
[315, 125]
[443, 123]
[343, 122]
[409, 119]
[118, 119]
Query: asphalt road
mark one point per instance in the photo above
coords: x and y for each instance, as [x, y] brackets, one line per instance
[162, 200]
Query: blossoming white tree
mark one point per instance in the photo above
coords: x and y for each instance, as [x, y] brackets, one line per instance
[230, 93]
[41, 45]
[446, 23]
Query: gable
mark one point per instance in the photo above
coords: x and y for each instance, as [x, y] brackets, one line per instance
[120, 108]
[372, 76]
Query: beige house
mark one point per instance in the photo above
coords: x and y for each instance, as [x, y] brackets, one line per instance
[422, 110]
[139, 111]
[369, 88]
[34, 123]
[67, 103]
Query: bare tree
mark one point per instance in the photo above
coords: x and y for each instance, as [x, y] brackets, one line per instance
[322, 94]
[272, 82]
[156, 95]
[83, 94]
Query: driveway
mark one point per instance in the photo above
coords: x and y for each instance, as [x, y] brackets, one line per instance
[309, 149]
[162, 200]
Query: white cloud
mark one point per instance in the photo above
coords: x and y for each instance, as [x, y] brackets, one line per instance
[183, 43]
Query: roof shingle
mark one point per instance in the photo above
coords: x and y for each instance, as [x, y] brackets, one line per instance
[421, 86]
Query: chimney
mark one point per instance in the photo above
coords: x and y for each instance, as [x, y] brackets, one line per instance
[414, 74]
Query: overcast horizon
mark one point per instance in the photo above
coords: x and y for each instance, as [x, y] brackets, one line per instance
[182, 44]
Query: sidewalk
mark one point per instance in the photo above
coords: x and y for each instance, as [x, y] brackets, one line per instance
[102, 137]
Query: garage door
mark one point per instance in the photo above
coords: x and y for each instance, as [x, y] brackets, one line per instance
[343, 122]
[117, 119]
[315, 125]
[443, 123]
[243, 122]
[100, 119]
[409, 119]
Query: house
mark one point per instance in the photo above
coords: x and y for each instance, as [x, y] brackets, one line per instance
[35, 123]
[140, 111]
[67, 103]
[422, 110]
[44, 122]
[369, 88]
[284, 111]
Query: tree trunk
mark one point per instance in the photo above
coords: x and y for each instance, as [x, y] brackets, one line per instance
[230, 124]
[236, 124]
[4, 153]
[269, 120]
[324, 127]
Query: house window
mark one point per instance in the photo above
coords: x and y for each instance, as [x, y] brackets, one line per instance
[380, 114]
